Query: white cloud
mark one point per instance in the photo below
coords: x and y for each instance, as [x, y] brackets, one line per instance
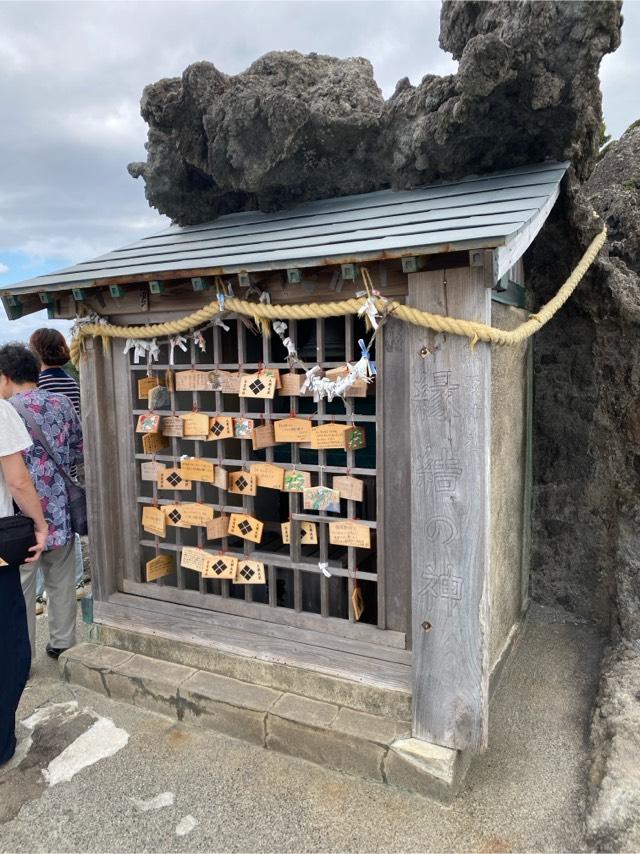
[3, 269]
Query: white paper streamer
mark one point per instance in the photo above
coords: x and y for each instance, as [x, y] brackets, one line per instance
[176, 341]
[280, 328]
[324, 568]
[322, 387]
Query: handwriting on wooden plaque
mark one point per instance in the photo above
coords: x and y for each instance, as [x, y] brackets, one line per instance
[149, 471]
[227, 382]
[350, 533]
[148, 423]
[221, 566]
[351, 488]
[221, 427]
[308, 533]
[195, 469]
[221, 478]
[192, 381]
[243, 428]
[173, 512]
[296, 481]
[154, 521]
[267, 475]
[145, 385]
[196, 425]
[321, 498]
[261, 385]
[218, 528]
[159, 566]
[171, 478]
[263, 437]
[159, 398]
[328, 436]
[250, 572]
[245, 526]
[196, 514]
[242, 483]
[293, 430]
[172, 425]
[194, 558]
[154, 442]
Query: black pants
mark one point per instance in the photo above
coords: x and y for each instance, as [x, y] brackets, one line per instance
[15, 656]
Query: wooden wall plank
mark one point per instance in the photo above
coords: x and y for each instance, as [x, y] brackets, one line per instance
[450, 387]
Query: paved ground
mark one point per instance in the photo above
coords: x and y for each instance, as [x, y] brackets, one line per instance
[525, 794]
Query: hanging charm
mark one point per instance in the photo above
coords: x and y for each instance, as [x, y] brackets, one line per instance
[176, 341]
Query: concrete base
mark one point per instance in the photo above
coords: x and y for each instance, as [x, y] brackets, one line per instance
[375, 747]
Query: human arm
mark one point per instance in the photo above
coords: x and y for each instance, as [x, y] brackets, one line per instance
[19, 484]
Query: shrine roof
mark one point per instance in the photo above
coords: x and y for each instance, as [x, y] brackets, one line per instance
[503, 211]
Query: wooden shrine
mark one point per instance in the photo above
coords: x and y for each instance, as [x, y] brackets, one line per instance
[380, 537]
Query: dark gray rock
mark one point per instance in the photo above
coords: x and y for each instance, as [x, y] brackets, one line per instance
[294, 127]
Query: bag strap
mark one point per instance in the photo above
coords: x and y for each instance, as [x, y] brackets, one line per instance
[36, 433]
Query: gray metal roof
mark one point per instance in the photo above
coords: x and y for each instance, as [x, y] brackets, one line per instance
[504, 210]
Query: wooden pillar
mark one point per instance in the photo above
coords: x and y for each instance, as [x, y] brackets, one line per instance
[450, 388]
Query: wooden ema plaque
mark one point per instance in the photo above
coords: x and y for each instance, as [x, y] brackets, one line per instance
[267, 475]
[243, 428]
[348, 487]
[145, 385]
[154, 442]
[192, 381]
[194, 514]
[328, 436]
[250, 572]
[172, 479]
[150, 471]
[258, 386]
[242, 483]
[218, 528]
[154, 521]
[308, 533]
[350, 533]
[196, 559]
[291, 385]
[158, 567]
[195, 425]
[293, 430]
[172, 425]
[148, 423]
[221, 478]
[245, 526]
[296, 481]
[196, 469]
[221, 427]
[263, 437]
[321, 498]
[227, 382]
[354, 438]
[159, 398]
[173, 513]
[221, 566]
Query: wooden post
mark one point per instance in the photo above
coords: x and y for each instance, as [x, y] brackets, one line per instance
[450, 388]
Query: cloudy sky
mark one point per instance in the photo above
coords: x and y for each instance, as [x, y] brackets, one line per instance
[71, 75]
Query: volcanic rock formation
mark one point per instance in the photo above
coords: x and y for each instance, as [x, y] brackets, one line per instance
[294, 127]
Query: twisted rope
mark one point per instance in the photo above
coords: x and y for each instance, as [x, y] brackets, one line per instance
[436, 322]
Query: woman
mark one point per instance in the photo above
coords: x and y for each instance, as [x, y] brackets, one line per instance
[52, 351]
[55, 417]
[15, 660]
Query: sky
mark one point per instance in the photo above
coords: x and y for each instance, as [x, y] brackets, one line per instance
[71, 76]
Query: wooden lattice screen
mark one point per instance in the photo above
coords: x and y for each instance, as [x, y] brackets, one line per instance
[295, 581]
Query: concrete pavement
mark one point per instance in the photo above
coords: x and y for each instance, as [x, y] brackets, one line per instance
[215, 793]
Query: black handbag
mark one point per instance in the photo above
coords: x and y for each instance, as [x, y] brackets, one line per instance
[76, 496]
[17, 535]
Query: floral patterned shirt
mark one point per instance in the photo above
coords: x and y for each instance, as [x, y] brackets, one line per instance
[56, 417]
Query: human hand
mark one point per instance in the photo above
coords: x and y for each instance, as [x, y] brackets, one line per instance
[41, 542]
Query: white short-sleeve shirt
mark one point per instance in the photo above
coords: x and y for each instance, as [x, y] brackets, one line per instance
[14, 437]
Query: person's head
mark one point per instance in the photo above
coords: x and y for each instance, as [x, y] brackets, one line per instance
[19, 369]
[50, 347]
